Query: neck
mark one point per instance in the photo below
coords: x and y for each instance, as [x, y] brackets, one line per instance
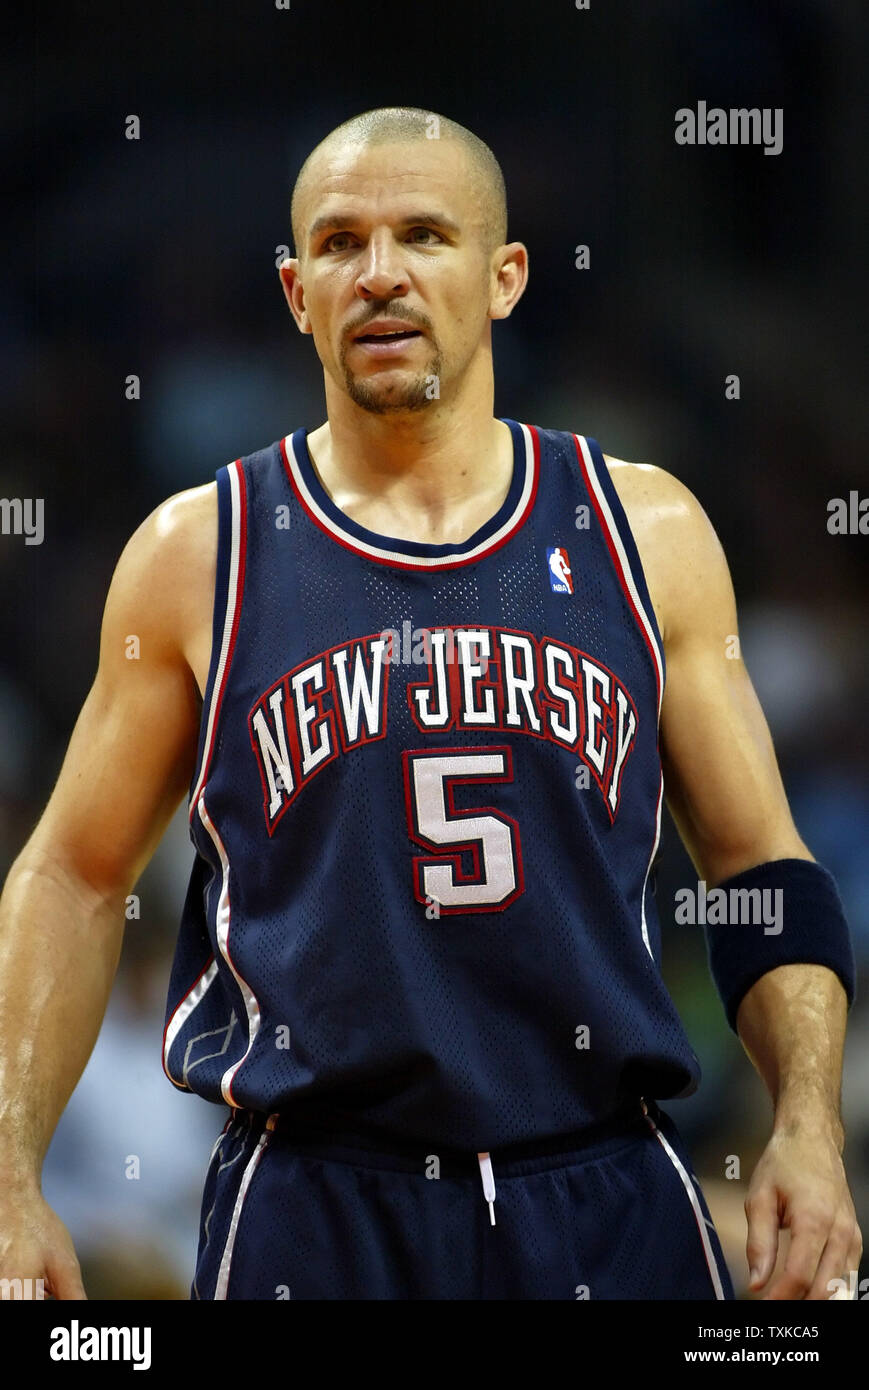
[440, 471]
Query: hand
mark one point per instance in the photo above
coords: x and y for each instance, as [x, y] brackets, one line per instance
[799, 1185]
[35, 1244]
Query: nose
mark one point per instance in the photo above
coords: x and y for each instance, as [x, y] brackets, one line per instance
[382, 274]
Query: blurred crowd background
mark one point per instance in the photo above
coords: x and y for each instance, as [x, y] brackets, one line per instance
[156, 257]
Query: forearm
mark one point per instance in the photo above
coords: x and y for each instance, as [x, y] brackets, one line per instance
[792, 1026]
[59, 946]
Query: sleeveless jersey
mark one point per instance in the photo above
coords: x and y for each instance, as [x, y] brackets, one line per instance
[425, 809]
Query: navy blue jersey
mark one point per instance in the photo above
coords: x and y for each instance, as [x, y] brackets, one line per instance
[426, 804]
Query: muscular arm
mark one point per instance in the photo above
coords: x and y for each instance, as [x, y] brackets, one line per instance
[722, 781]
[128, 764]
[726, 796]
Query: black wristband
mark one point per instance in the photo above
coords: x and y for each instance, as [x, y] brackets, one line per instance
[797, 918]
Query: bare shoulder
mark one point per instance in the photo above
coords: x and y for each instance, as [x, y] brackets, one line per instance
[679, 550]
[164, 579]
[651, 496]
[174, 544]
[182, 516]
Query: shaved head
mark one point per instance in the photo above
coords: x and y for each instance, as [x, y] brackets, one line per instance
[402, 261]
[398, 124]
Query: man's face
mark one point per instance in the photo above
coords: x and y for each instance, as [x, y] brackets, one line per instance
[394, 232]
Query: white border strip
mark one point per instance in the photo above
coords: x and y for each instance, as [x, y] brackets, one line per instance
[251, 1003]
[658, 809]
[620, 551]
[226, 1259]
[231, 604]
[696, 1207]
[425, 561]
[191, 1001]
[619, 548]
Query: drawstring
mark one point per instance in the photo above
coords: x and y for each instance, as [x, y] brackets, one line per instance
[488, 1178]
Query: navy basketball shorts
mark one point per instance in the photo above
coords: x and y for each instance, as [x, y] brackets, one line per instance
[290, 1216]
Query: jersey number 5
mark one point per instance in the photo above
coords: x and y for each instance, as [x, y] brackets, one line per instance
[487, 838]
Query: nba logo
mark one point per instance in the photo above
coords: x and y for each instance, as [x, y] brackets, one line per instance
[559, 570]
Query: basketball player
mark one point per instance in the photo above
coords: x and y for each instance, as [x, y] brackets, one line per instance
[420, 668]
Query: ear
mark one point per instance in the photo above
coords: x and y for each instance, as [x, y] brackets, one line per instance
[510, 276]
[291, 283]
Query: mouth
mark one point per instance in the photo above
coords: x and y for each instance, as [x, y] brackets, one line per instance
[398, 335]
[387, 343]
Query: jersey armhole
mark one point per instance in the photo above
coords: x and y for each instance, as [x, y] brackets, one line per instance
[623, 551]
[228, 592]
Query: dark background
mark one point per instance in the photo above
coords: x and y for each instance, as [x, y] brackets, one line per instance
[157, 258]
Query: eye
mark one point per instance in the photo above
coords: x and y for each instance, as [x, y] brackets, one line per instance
[426, 233]
[329, 243]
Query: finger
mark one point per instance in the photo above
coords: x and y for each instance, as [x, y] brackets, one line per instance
[63, 1275]
[834, 1260]
[851, 1277]
[761, 1247]
[855, 1253]
[809, 1235]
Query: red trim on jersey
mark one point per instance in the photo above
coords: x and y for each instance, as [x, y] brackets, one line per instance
[239, 593]
[416, 565]
[617, 565]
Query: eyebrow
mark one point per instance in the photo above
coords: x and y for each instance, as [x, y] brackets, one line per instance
[351, 219]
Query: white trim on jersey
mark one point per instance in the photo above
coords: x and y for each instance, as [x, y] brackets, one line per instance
[658, 810]
[222, 923]
[190, 1002]
[247, 1176]
[229, 618]
[695, 1205]
[423, 561]
[618, 546]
